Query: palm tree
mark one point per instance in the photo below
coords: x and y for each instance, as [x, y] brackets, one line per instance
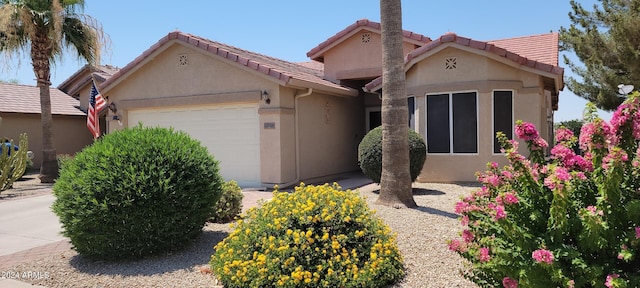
[46, 28]
[395, 183]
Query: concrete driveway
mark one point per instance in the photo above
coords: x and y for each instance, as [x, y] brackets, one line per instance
[27, 223]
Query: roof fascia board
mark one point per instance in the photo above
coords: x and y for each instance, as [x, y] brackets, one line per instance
[297, 83]
[356, 31]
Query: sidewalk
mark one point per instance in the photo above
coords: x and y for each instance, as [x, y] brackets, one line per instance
[36, 251]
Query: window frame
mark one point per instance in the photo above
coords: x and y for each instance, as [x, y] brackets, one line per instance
[450, 120]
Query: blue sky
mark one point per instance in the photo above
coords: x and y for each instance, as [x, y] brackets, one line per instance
[288, 29]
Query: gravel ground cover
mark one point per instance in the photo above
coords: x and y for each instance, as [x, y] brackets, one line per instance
[421, 235]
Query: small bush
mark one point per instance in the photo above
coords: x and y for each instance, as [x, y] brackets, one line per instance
[136, 192]
[230, 204]
[317, 236]
[63, 159]
[370, 154]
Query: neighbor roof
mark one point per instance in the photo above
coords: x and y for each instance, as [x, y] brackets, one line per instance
[317, 53]
[284, 72]
[85, 74]
[542, 48]
[534, 52]
[16, 98]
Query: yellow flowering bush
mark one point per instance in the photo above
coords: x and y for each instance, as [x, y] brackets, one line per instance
[317, 236]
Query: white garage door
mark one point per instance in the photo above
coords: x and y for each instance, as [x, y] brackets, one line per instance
[230, 132]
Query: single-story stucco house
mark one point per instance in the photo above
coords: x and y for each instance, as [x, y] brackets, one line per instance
[269, 121]
[20, 112]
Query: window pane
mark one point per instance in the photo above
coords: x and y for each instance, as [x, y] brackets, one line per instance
[411, 103]
[465, 123]
[375, 119]
[438, 123]
[502, 116]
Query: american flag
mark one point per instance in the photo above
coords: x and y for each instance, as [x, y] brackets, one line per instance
[96, 104]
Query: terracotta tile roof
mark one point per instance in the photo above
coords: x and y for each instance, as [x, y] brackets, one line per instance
[539, 59]
[15, 98]
[316, 53]
[542, 48]
[278, 70]
[313, 65]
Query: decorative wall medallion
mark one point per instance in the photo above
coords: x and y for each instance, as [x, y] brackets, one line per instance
[183, 60]
[366, 38]
[450, 63]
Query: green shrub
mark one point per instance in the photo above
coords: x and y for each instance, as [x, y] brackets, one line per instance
[136, 192]
[317, 236]
[13, 163]
[63, 159]
[370, 154]
[230, 204]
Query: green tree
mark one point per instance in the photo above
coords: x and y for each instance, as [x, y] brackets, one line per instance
[395, 182]
[606, 41]
[47, 28]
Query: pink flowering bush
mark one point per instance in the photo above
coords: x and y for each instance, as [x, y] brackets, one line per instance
[566, 220]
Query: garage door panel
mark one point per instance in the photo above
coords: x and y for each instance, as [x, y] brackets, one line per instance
[230, 133]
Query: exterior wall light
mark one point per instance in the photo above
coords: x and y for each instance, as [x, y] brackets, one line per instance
[265, 97]
[112, 107]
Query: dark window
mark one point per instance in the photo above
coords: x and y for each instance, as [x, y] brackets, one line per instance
[411, 103]
[465, 123]
[502, 116]
[452, 129]
[375, 119]
[438, 124]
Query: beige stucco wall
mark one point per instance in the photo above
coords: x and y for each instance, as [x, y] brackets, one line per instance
[330, 130]
[71, 133]
[354, 59]
[473, 73]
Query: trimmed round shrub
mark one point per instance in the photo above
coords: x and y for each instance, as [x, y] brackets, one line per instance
[136, 192]
[230, 204]
[370, 154]
[317, 236]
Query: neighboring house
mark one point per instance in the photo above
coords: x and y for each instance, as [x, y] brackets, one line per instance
[270, 121]
[20, 112]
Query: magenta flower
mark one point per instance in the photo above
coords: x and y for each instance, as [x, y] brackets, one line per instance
[465, 220]
[484, 254]
[467, 236]
[510, 198]
[562, 174]
[609, 282]
[507, 174]
[637, 232]
[454, 245]
[457, 246]
[526, 131]
[542, 256]
[594, 210]
[538, 144]
[563, 135]
[509, 283]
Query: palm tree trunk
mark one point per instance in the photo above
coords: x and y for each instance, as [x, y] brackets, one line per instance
[395, 183]
[40, 48]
